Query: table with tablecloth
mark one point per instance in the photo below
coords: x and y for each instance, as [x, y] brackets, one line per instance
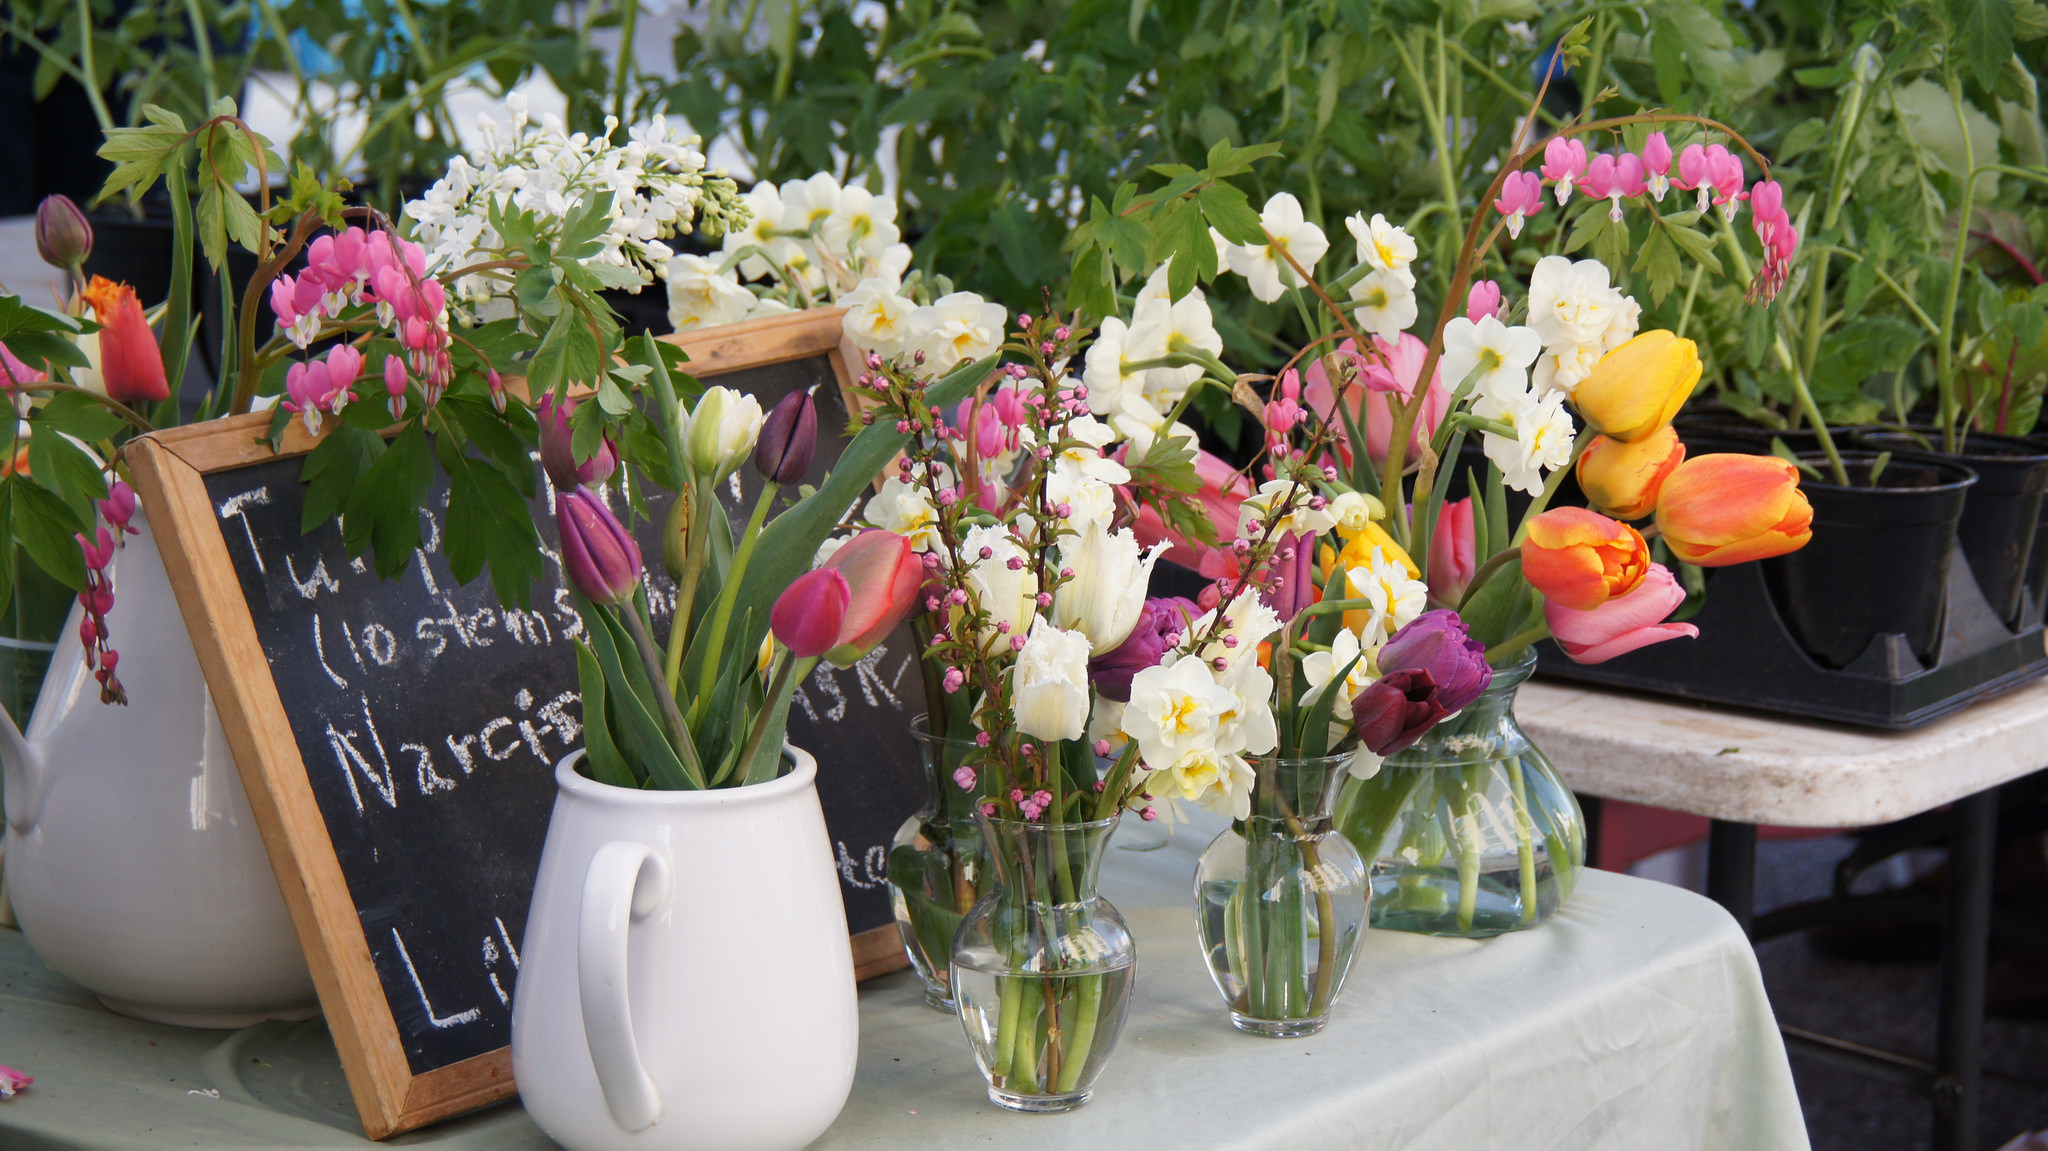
[1634, 1019]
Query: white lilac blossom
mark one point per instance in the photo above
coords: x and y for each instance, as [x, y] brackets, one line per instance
[657, 179]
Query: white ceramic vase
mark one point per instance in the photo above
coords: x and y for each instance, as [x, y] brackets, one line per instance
[686, 981]
[134, 864]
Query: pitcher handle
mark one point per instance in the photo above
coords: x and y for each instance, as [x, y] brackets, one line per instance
[626, 882]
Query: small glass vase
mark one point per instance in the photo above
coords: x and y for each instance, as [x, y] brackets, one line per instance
[936, 873]
[1470, 832]
[1042, 967]
[1280, 901]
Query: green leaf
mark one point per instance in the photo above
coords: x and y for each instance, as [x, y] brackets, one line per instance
[331, 471]
[1315, 730]
[382, 513]
[606, 764]
[1695, 245]
[1231, 214]
[488, 522]
[79, 414]
[493, 436]
[63, 467]
[1983, 36]
[630, 693]
[47, 530]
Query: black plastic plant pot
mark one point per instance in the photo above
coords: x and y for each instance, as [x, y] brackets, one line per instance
[1724, 426]
[2002, 515]
[1878, 561]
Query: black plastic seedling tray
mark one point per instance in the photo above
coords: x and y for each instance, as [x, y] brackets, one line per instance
[1745, 657]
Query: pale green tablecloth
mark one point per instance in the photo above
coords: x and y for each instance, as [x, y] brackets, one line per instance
[1634, 1021]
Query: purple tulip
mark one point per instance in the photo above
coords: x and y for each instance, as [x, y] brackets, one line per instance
[558, 452]
[63, 237]
[1437, 642]
[1399, 708]
[789, 437]
[598, 553]
[1294, 576]
[1160, 624]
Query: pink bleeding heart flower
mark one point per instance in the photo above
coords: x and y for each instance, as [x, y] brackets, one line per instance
[1622, 624]
[1482, 301]
[1724, 172]
[1521, 196]
[119, 506]
[12, 1081]
[1657, 164]
[1564, 163]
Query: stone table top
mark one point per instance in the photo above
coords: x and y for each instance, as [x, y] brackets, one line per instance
[1752, 768]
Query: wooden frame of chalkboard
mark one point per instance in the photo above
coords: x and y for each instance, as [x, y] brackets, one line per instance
[171, 468]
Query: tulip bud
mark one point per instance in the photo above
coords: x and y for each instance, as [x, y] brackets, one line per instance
[1439, 643]
[1396, 710]
[557, 448]
[1582, 559]
[675, 533]
[719, 432]
[789, 437]
[1622, 624]
[598, 553]
[1623, 479]
[63, 236]
[131, 367]
[810, 612]
[1636, 388]
[883, 576]
[1721, 509]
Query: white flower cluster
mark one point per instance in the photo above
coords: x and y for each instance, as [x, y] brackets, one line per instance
[657, 179]
[1579, 317]
[1127, 384]
[956, 328]
[1198, 713]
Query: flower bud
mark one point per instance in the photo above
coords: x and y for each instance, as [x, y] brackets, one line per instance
[131, 367]
[808, 615]
[598, 553]
[883, 576]
[557, 447]
[63, 237]
[719, 432]
[1624, 479]
[1728, 509]
[675, 533]
[789, 437]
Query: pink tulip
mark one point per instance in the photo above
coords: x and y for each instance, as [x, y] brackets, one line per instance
[1393, 372]
[1223, 490]
[1521, 196]
[1622, 624]
[809, 613]
[883, 574]
[13, 371]
[1482, 301]
[1564, 163]
[1452, 561]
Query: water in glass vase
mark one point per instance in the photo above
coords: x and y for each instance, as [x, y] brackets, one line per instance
[1041, 1040]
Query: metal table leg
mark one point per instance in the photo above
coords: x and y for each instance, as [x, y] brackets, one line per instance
[1731, 869]
[1965, 953]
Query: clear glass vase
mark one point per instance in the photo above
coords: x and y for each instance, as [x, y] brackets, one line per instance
[1042, 967]
[1280, 901]
[936, 869]
[1470, 832]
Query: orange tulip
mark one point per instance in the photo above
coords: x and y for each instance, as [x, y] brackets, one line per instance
[1636, 388]
[131, 367]
[1581, 559]
[1622, 479]
[1722, 509]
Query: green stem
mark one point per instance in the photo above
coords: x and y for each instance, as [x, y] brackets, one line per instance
[1944, 347]
[1525, 848]
[90, 70]
[728, 594]
[1087, 1017]
[203, 43]
[1465, 824]
[671, 718]
[627, 21]
[177, 337]
[1515, 644]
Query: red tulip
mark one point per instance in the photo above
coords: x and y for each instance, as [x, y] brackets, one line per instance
[1398, 709]
[810, 613]
[1622, 624]
[131, 367]
[883, 575]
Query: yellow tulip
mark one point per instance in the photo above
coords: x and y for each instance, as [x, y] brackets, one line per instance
[1623, 479]
[1636, 388]
[1358, 553]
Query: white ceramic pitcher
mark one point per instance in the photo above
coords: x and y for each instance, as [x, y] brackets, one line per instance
[686, 981]
[133, 861]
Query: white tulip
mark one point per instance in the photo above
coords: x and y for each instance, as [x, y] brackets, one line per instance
[719, 433]
[1049, 683]
[1009, 595]
[1107, 593]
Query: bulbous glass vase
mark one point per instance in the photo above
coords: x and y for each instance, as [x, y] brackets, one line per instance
[1043, 967]
[1280, 901]
[936, 868]
[1470, 832]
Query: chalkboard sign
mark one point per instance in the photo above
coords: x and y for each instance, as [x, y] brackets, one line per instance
[397, 738]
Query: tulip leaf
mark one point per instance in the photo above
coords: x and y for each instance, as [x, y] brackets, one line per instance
[1315, 732]
[725, 720]
[1495, 610]
[606, 764]
[641, 734]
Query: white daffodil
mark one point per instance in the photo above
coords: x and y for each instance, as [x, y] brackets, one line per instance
[701, 296]
[1265, 266]
[1142, 426]
[1246, 623]
[861, 227]
[1008, 594]
[1622, 328]
[1184, 326]
[1542, 442]
[719, 433]
[877, 319]
[1385, 303]
[1049, 683]
[807, 204]
[1107, 371]
[1571, 302]
[1355, 511]
[1321, 667]
[1394, 597]
[764, 203]
[1499, 354]
[903, 508]
[1386, 247]
[1091, 436]
[957, 328]
[828, 549]
[1257, 509]
[1106, 595]
[1175, 709]
[1560, 369]
[1089, 502]
[1106, 722]
[1248, 727]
